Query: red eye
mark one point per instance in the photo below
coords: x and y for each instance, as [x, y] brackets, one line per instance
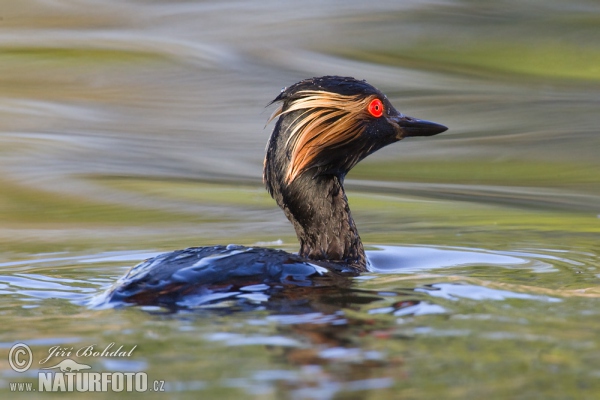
[376, 108]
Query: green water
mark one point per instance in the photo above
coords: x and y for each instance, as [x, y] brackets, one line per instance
[129, 128]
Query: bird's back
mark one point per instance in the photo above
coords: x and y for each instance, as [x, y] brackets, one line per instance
[200, 275]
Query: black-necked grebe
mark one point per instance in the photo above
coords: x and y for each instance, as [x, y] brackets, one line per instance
[325, 127]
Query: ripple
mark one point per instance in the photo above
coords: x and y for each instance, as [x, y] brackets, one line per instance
[19, 280]
[111, 256]
[42, 287]
[452, 291]
[412, 259]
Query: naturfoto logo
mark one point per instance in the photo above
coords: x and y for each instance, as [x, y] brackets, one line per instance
[69, 375]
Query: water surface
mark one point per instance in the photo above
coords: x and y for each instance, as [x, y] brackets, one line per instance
[130, 128]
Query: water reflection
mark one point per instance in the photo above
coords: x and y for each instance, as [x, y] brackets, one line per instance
[412, 259]
[396, 259]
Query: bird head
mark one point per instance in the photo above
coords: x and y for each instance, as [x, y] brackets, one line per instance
[328, 124]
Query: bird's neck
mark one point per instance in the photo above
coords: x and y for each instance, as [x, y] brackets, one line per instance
[318, 209]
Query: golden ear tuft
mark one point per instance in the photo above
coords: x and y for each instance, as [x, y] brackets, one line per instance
[325, 120]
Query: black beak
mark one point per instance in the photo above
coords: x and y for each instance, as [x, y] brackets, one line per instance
[410, 126]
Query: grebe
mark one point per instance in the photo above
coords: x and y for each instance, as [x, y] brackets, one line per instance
[325, 126]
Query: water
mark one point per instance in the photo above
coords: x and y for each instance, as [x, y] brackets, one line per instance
[131, 128]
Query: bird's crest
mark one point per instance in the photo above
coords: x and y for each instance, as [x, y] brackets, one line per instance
[325, 120]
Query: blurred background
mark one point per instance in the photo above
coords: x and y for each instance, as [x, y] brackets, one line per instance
[131, 127]
[148, 118]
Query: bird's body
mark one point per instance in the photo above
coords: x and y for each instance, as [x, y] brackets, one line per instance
[199, 275]
[325, 126]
